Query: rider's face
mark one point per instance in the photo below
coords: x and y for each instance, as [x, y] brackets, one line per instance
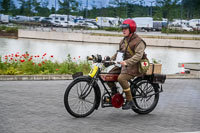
[125, 31]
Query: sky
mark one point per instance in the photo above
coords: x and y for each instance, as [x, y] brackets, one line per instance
[98, 3]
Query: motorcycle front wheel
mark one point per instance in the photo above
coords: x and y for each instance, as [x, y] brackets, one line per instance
[145, 97]
[80, 98]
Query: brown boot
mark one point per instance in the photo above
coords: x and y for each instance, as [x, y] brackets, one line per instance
[129, 99]
[128, 105]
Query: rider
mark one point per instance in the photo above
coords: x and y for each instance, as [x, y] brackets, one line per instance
[132, 47]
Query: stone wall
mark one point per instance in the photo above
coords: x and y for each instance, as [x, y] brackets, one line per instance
[81, 37]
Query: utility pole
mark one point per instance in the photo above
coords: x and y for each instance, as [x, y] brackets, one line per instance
[86, 14]
[55, 6]
[55, 9]
[181, 10]
[126, 8]
[151, 8]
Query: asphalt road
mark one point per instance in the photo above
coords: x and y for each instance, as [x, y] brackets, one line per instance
[37, 107]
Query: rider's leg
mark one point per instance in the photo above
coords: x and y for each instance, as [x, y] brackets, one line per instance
[112, 85]
[123, 81]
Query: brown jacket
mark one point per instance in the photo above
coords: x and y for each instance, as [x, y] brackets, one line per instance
[137, 46]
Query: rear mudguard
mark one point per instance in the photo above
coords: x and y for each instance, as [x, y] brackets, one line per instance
[96, 88]
[134, 82]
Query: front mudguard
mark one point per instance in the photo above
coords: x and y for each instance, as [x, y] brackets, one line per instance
[96, 89]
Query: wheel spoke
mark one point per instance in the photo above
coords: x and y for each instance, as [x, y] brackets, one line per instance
[81, 99]
[144, 97]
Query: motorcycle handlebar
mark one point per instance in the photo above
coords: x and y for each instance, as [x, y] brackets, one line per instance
[98, 59]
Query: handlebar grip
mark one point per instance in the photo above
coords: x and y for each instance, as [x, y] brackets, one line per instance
[89, 58]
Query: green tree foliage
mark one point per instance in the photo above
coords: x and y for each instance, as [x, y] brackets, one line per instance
[67, 6]
[191, 8]
[7, 6]
[168, 8]
[171, 9]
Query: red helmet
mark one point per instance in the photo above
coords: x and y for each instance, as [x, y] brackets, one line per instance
[129, 23]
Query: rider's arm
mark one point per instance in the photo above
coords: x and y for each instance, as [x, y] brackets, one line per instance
[115, 55]
[139, 51]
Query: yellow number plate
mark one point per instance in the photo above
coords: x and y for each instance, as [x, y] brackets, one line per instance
[93, 71]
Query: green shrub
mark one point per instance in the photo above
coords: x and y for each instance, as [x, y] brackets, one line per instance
[11, 29]
[2, 28]
[112, 29]
[167, 30]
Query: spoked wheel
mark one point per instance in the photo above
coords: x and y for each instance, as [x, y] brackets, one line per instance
[145, 96]
[80, 98]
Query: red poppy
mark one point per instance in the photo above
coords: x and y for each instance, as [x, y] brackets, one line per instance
[15, 59]
[79, 56]
[43, 62]
[57, 69]
[33, 63]
[51, 56]
[40, 64]
[74, 58]
[44, 54]
[22, 60]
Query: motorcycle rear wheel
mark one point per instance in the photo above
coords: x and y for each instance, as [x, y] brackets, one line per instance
[145, 96]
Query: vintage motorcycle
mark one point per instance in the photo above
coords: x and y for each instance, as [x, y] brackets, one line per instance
[83, 95]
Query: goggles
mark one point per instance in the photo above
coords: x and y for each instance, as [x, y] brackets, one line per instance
[125, 26]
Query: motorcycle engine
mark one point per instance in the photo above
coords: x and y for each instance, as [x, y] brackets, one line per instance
[117, 100]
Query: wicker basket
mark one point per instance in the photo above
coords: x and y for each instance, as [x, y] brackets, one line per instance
[157, 69]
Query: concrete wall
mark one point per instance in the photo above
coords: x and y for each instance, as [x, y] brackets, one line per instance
[80, 37]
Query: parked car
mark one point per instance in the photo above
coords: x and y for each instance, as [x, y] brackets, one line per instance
[94, 23]
[67, 24]
[4, 18]
[90, 25]
[180, 27]
[47, 21]
[56, 23]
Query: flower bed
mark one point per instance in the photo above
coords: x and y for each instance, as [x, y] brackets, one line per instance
[26, 64]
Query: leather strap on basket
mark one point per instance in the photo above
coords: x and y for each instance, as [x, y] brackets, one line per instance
[152, 68]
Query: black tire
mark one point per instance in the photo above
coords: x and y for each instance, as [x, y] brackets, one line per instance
[76, 102]
[145, 96]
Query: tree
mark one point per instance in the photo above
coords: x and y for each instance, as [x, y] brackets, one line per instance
[43, 10]
[168, 8]
[191, 8]
[8, 7]
[67, 6]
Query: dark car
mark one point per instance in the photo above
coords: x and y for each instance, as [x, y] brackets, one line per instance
[46, 22]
